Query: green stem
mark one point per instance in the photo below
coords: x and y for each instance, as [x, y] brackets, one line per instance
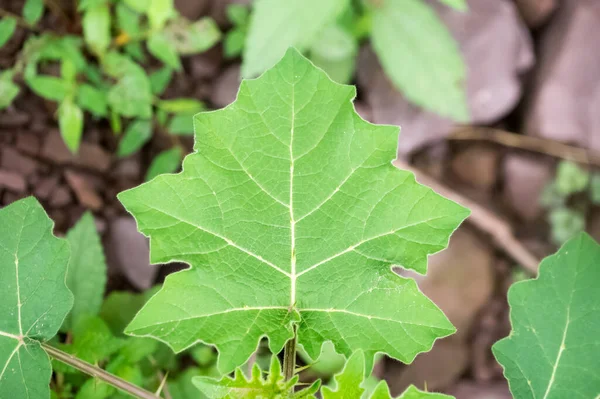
[97, 372]
[289, 357]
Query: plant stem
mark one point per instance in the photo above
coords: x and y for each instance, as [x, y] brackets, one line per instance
[97, 372]
[289, 357]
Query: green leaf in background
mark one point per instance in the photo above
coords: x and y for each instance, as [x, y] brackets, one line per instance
[329, 361]
[594, 187]
[160, 47]
[460, 5]
[420, 56]
[119, 308]
[33, 11]
[35, 298]
[182, 386]
[351, 384]
[49, 87]
[160, 79]
[193, 38]
[140, 6]
[335, 53]
[570, 178]
[86, 277]
[159, 12]
[181, 125]
[7, 28]
[348, 382]
[285, 168]
[93, 341]
[167, 161]
[276, 25]
[92, 99]
[238, 14]
[128, 20]
[8, 89]
[70, 122]
[552, 350]
[233, 45]
[96, 28]
[137, 134]
[132, 95]
[68, 71]
[182, 105]
[240, 387]
[565, 223]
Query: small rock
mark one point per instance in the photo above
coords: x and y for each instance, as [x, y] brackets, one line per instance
[565, 96]
[468, 390]
[127, 250]
[12, 181]
[28, 143]
[536, 12]
[60, 196]
[14, 161]
[436, 369]
[477, 166]
[226, 87]
[13, 118]
[192, 10]
[83, 190]
[90, 156]
[206, 65]
[525, 178]
[46, 187]
[460, 285]
[128, 168]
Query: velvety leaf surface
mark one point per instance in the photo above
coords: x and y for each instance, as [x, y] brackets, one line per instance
[86, 277]
[420, 56]
[290, 211]
[553, 350]
[35, 298]
[277, 25]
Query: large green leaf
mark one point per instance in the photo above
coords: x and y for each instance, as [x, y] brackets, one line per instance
[553, 350]
[276, 25]
[86, 277]
[240, 387]
[291, 212]
[35, 298]
[420, 56]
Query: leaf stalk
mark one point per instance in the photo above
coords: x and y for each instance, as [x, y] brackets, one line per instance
[289, 356]
[97, 372]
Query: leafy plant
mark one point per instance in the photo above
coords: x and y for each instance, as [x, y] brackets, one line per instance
[414, 47]
[290, 216]
[100, 74]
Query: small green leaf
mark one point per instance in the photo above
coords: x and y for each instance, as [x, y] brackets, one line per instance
[49, 87]
[181, 125]
[382, 391]
[420, 56]
[128, 20]
[565, 223]
[193, 38]
[96, 28]
[132, 95]
[68, 71]
[553, 348]
[159, 12]
[137, 134]
[70, 121]
[92, 99]
[181, 105]
[234, 42]
[203, 355]
[160, 79]
[135, 50]
[8, 89]
[7, 28]
[269, 37]
[328, 363]
[570, 178]
[285, 168]
[35, 298]
[93, 341]
[240, 387]
[349, 380]
[119, 308]
[594, 186]
[182, 386]
[238, 14]
[86, 277]
[335, 53]
[33, 11]
[460, 5]
[167, 161]
[140, 6]
[160, 47]
[87, 4]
